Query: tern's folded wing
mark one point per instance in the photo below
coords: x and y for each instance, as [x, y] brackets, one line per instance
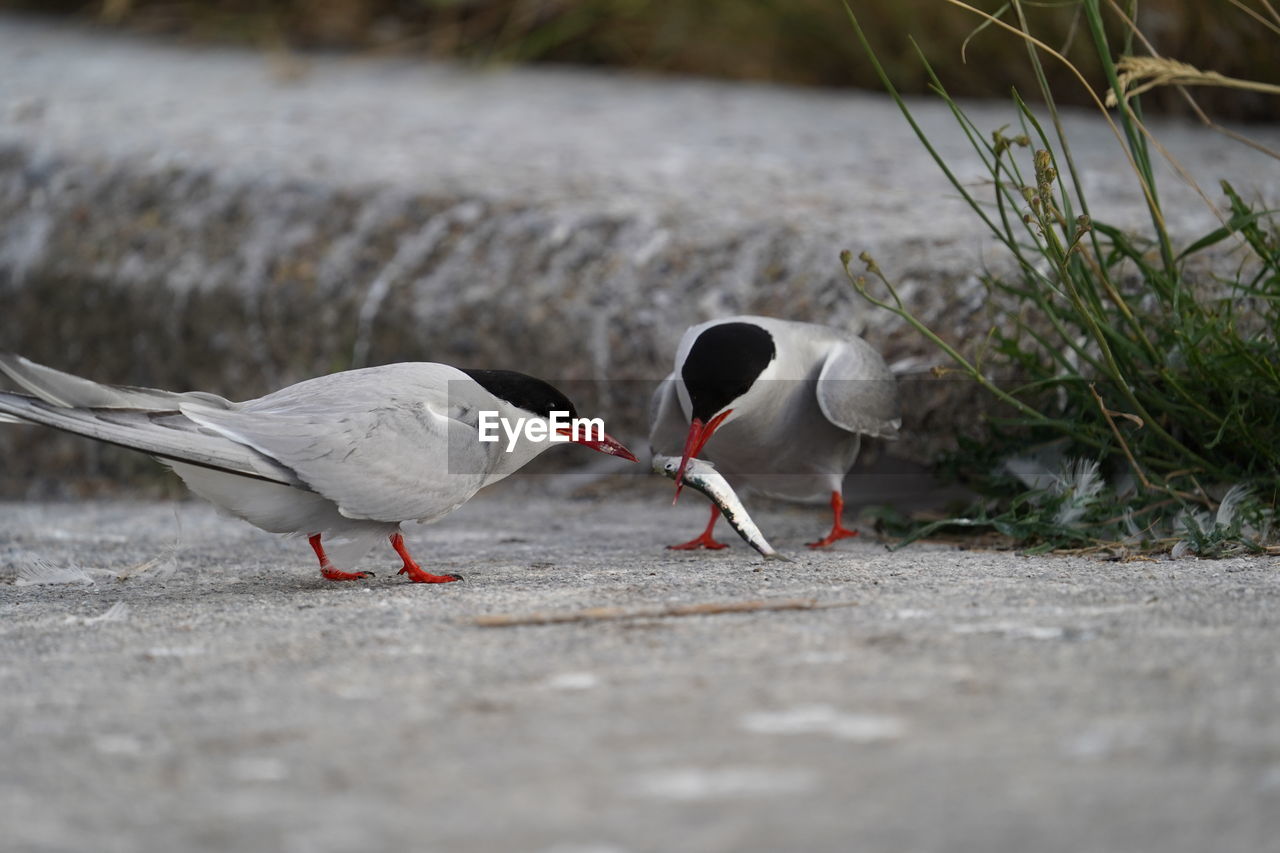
[396, 461]
[166, 434]
[668, 424]
[857, 392]
[65, 389]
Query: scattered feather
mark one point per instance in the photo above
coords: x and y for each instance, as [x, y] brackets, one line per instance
[1132, 533]
[1030, 471]
[1079, 484]
[157, 568]
[1230, 506]
[118, 612]
[41, 572]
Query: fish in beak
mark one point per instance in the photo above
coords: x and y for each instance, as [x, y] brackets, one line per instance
[699, 434]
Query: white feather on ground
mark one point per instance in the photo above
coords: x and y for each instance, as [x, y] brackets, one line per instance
[39, 572]
[118, 612]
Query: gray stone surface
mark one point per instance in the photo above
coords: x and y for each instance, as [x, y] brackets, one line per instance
[208, 218]
[969, 701]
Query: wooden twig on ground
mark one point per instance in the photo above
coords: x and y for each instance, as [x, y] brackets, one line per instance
[613, 614]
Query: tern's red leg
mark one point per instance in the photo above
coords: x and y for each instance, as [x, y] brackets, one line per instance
[327, 571]
[412, 569]
[706, 540]
[838, 530]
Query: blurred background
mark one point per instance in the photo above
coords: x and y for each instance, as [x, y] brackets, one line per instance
[804, 42]
[231, 196]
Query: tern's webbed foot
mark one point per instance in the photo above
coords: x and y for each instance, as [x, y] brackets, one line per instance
[332, 574]
[417, 575]
[703, 541]
[411, 567]
[838, 530]
[706, 540]
[327, 570]
[837, 533]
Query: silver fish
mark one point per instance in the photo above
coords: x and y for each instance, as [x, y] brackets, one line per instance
[702, 476]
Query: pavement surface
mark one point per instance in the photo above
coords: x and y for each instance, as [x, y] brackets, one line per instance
[192, 684]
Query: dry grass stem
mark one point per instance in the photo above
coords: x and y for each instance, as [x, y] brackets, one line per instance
[1273, 24]
[1187, 97]
[1143, 183]
[1140, 74]
[1110, 417]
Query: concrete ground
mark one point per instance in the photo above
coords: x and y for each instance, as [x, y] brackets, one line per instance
[195, 685]
[171, 216]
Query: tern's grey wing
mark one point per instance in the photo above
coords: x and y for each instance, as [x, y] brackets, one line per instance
[168, 435]
[395, 461]
[668, 424]
[857, 392]
[65, 389]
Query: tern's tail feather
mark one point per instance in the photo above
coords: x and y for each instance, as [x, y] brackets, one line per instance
[168, 434]
[64, 389]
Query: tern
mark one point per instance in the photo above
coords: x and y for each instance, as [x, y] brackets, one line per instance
[779, 407]
[350, 455]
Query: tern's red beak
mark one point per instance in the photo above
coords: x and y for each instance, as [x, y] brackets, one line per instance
[606, 444]
[699, 433]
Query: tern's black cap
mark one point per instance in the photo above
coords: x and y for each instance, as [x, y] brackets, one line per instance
[527, 392]
[723, 363]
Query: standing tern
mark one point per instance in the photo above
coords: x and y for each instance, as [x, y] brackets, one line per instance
[787, 403]
[351, 455]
